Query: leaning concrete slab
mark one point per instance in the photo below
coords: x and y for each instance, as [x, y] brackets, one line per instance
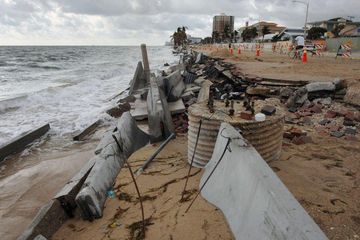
[20, 143]
[139, 79]
[108, 162]
[46, 222]
[174, 86]
[204, 91]
[159, 117]
[256, 204]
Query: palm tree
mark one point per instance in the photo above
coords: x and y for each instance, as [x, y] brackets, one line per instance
[215, 36]
[179, 37]
[265, 30]
[227, 31]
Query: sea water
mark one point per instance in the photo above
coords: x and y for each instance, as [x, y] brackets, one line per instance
[65, 86]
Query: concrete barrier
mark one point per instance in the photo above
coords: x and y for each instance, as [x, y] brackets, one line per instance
[19, 144]
[46, 222]
[87, 131]
[108, 163]
[256, 204]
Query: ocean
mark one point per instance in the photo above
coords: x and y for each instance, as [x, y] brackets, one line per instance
[65, 86]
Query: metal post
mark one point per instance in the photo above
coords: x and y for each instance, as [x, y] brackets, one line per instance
[307, 13]
[144, 166]
[306, 18]
[192, 159]
[211, 173]
[145, 62]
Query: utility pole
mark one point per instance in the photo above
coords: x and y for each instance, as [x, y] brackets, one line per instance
[307, 13]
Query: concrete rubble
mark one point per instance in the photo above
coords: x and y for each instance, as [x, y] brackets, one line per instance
[265, 209]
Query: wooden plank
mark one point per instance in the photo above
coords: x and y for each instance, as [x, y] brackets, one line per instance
[87, 131]
[19, 144]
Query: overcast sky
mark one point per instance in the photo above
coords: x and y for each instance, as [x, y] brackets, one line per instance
[131, 22]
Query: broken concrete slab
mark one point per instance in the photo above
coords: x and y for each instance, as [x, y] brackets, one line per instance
[353, 92]
[46, 222]
[199, 81]
[127, 99]
[187, 95]
[159, 116]
[139, 79]
[171, 69]
[320, 86]
[192, 88]
[199, 58]
[204, 91]
[166, 119]
[189, 77]
[108, 162]
[298, 98]
[139, 111]
[117, 111]
[20, 143]
[174, 86]
[87, 131]
[256, 204]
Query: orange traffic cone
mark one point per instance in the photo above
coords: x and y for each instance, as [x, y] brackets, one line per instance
[231, 51]
[258, 52]
[239, 51]
[304, 56]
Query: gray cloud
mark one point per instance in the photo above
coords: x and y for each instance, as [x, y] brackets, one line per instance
[151, 21]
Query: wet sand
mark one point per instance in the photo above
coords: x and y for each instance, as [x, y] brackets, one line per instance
[29, 181]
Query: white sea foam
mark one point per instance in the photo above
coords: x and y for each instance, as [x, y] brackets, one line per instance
[73, 93]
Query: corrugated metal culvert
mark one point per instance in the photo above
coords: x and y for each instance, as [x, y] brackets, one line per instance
[265, 136]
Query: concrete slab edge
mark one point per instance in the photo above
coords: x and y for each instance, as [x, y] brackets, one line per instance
[256, 204]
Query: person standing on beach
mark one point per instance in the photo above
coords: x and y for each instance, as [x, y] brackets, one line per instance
[299, 42]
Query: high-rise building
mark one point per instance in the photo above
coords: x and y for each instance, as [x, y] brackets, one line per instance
[220, 22]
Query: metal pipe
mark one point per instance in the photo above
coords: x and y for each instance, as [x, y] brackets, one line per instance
[192, 159]
[207, 179]
[136, 186]
[149, 160]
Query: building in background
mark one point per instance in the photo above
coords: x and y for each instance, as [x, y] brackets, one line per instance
[330, 24]
[193, 40]
[220, 23]
[273, 28]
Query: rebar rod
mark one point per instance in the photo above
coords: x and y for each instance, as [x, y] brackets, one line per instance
[136, 186]
[192, 159]
[207, 179]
